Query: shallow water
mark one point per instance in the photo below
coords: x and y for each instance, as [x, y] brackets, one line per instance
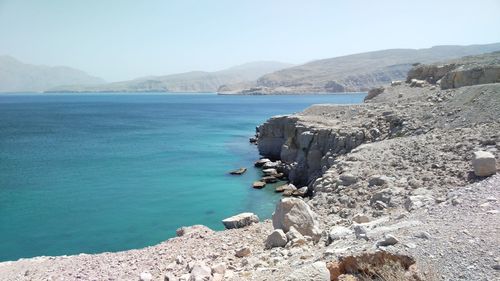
[96, 173]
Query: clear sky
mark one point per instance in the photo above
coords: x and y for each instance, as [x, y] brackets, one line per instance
[123, 39]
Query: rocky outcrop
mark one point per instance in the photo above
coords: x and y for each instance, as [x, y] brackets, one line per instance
[308, 150]
[277, 238]
[465, 76]
[484, 163]
[374, 92]
[430, 73]
[293, 212]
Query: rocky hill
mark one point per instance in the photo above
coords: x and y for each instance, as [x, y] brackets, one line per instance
[16, 76]
[195, 81]
[357, 72]
[402, 187]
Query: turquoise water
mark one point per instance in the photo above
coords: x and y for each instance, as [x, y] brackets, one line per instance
[96, 173]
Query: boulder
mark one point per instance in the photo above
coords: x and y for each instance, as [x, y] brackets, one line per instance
[286, 187]
[311, 272]
[360, 232]
[484, 163]
[258, 184]
[295, 212]
[276, 239]
[270, 172]
[292, 233]
[388, 240]
[269, 179]
[240, 220]
[200, 272]
[301, 192]
[270, 164]
[261, 162]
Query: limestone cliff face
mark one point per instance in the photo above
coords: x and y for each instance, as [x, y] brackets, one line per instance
[308, 151]
[473, 76]
[466, 71]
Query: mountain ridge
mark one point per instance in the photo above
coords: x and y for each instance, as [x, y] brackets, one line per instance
[191, 81]
[17, 76]
[355, 72]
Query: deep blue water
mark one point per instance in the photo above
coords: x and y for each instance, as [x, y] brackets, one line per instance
[96, 173]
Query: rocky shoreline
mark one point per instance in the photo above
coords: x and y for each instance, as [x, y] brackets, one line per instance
[402, 187]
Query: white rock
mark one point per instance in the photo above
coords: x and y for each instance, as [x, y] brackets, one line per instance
[270, 172]
[484, 163]
[312, 272]
[261, 162]
[240, 220]
[200, 272]
[269, 165]
[145, 276]
[219, 268]
[293, 234]
[338, 232]
[276, 239]
[360, 218]
[295, 212]
[192, 229]
[388, 240]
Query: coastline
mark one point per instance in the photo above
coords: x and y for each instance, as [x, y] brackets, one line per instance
[392, 176]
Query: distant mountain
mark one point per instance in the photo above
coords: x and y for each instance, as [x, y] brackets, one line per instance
[357, 72]
[194, 81]
[16, 76]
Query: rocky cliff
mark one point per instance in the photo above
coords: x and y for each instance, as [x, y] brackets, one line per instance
[466, 71]
[399, 194]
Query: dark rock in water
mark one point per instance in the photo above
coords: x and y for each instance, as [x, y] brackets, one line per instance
[269, 179]
[240, 171]
[259, 184]
[252, 140]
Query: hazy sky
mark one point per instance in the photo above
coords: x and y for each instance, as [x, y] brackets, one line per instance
[122, 39]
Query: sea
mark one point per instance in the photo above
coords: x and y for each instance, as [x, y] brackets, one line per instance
[91, 173]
